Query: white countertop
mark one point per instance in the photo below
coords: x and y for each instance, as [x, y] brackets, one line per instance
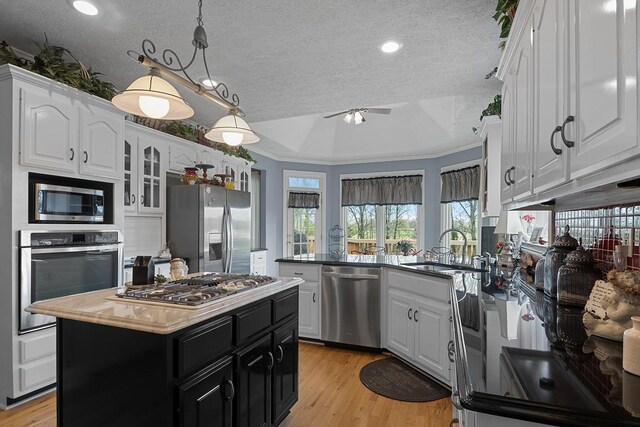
[104, 308]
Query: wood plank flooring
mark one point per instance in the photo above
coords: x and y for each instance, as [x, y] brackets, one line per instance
[330, 395]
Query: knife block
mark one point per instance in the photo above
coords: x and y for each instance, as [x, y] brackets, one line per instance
[143, 271]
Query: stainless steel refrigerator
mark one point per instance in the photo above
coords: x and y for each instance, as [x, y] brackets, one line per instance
[210, 227]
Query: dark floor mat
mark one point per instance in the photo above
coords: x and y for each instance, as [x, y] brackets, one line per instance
[396, 380]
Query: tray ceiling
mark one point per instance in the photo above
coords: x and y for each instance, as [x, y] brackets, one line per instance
[292, 62]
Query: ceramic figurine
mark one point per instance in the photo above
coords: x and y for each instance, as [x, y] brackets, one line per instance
[619, 309]
[179, 269]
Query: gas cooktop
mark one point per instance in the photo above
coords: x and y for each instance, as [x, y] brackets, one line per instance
[196, 290]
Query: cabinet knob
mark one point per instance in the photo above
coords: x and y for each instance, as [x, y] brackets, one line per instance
[556, 150]
[568, 143]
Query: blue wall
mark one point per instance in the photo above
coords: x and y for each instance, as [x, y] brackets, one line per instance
[272, 175]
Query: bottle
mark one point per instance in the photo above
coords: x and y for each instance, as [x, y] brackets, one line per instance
[631, 348]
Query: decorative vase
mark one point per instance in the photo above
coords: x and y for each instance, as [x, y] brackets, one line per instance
[576, 278]
[561, 247]
[190, 176]
[631, 348]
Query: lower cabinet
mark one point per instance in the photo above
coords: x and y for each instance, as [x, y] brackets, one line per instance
[207, 400]
[310, 310]
[254, 384]
[285, 370]
[418, 327]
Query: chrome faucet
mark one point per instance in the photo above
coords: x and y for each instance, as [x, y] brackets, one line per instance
[464, 246]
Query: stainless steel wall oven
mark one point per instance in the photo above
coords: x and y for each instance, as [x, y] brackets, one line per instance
[57, 264]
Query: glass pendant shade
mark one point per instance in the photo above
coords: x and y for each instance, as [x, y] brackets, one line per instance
[152, 96]
[357, 118]
[347, 118]
[232, 130]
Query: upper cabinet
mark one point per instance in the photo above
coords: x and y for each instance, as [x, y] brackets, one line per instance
[62, 133]
[570, 101]
[145, 158]
[491, 136]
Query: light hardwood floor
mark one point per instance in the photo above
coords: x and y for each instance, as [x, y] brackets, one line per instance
[330, 395]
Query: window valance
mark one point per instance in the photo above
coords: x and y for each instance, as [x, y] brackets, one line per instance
[460, 185]
[391, 190]
[304, 200]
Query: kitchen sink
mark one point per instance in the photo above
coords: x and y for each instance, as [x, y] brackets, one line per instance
[444, 268]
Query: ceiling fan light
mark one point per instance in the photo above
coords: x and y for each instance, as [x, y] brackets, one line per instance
[155, 94]
[358, 118]
[348, 118]
[231, 124]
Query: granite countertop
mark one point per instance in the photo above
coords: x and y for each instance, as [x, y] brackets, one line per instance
[103, 307]
[538, 364]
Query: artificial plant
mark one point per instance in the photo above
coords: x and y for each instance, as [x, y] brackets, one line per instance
[505, 11]
[494, 108]
[50, 62]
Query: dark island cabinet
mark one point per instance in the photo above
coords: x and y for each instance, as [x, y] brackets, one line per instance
[285, 370]
[254, 384]
[236, 369]
[207, 400]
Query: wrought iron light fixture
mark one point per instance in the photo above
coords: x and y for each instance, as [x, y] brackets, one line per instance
[154, 97]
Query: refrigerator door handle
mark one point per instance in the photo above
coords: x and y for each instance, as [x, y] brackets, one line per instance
[229, 239]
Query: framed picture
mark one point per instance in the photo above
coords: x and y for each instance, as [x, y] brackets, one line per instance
[535, 234]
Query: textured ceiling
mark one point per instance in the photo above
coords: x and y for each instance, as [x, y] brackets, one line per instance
[293, 61]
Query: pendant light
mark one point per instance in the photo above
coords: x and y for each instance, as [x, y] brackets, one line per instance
[152, 96]
[232, 130]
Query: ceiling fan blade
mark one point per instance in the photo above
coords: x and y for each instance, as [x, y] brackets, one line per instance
[336, 114]
[379, 110]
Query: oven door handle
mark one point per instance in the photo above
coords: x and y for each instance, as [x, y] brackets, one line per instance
[66, 249]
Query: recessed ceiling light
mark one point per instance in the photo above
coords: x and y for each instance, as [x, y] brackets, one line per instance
[390, 46]
[85, 7]
[209, 84]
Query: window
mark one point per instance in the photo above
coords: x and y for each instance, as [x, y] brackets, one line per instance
[304, 206]
[377, 229]
[461, 216]
[256, 217]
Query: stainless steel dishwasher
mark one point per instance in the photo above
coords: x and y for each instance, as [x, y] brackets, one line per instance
[351, 305]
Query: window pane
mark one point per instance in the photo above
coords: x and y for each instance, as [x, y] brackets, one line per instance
[304, 230]
[298, 182]
[400, 225]
[464, 217]
[361, 229]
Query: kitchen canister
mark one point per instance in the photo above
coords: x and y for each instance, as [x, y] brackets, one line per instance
[539, 275]
[631, 348]
[562, 246]
[576, 278]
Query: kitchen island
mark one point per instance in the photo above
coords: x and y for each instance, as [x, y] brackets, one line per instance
[229, 362]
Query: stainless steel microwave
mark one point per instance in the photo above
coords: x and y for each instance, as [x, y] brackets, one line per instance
[59, 203]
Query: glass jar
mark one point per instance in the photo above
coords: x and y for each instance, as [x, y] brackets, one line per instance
[561, 247]
[576, 278]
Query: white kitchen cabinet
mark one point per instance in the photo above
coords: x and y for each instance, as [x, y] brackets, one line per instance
[182, 155]
[144, 171]
[35, 362]
[258, 263]
[309, 313]
[603, 94]
[244, 178]
[101, 143]
[491, 136]
[582, 73]
[549, 153]
[309, 310]
[418, 327]
[48, 130]
[59, 134]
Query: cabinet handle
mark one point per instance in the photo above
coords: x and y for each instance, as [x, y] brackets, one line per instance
[133, 198]
[506, 181]
[409, 314]
[556, 150]
[73, 154]
[232, 389]
[271, 361]
[513, 169]
[455, 400]
[451, 350]
[314, 297]
[454, 421]
[142, 200]
[281, 351]
[86, 157]
[415, 315]
[569, 119]
[298, 274]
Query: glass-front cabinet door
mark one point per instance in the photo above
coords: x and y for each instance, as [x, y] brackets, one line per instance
[150, 177]
[130, 176]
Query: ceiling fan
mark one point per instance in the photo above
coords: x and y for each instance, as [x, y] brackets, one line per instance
[355, 114]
